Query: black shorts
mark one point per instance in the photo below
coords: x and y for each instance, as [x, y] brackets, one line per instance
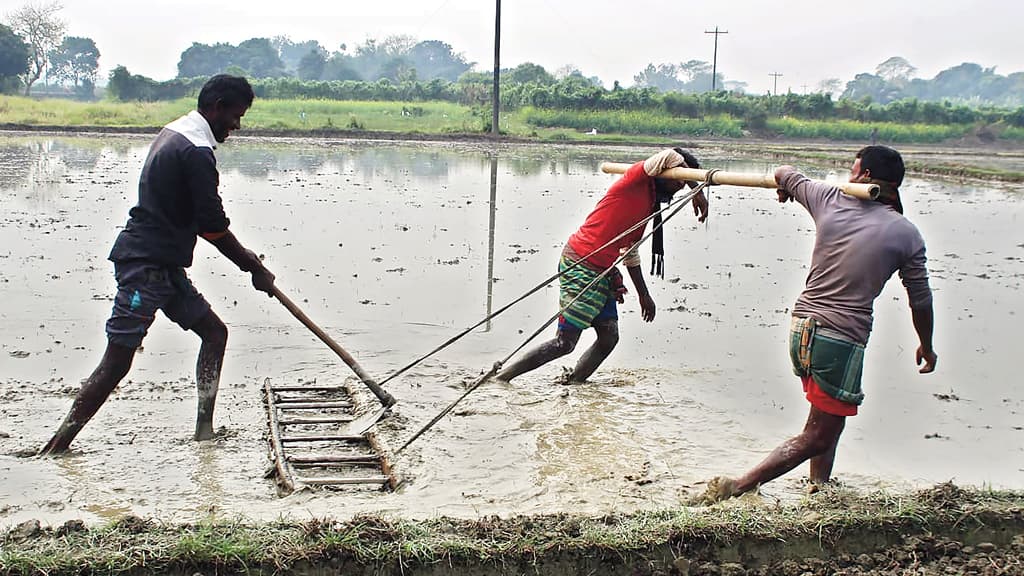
[142, 289]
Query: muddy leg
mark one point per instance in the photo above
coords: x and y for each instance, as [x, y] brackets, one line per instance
[93, 393]
[607, 338]
[821, 465]
[819, 436]
[563, 343]
[211, 356]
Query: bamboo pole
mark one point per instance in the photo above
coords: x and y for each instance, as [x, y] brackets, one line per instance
[862, 191]
[386, 400]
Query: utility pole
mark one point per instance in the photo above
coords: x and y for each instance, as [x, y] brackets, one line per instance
[714, 59]
[775, 91]
[497, 68]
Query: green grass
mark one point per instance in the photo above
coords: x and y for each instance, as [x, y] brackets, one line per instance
[296, 115]
[645, 122]
[134, 545]
[423, 117]
[61, 112]
[850, 130]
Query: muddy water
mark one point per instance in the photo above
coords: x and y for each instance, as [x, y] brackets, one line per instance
[391, 248]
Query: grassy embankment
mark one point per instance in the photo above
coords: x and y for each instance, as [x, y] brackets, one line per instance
[748, 532]
[449, 118]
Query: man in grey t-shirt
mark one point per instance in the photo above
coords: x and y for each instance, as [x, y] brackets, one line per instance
[859, 244]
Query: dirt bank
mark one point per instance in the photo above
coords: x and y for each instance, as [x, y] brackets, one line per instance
[943, 530]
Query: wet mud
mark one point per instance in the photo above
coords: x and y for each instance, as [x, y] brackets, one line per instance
[394, 247]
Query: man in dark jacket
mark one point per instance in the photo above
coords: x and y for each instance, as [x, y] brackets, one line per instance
[178, 203]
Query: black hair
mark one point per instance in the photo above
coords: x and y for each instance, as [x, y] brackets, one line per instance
[690, 159]
[884, 163]
[231, 90]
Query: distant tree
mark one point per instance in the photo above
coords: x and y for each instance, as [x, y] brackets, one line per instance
[664, 77]
[693, 76]
[76, 61]
[201, 60]
[123, 85]
[311, 66]
[829, 86]
[963, 81]
[259, 57]
[397, 69]
[696, 76]
[566, 71]
[397, 44]
[529, 72]
[340, 67]
[292, 53]
[895, 69]
[14, 53]
[871, 87]
[40, 27]
[436, 59]
[734, 86]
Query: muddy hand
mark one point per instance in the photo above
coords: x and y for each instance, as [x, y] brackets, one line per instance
[263, 280]
[700, 206]
[647, 308]
[930, 358]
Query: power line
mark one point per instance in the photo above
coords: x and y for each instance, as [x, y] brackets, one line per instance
[714, 59]
[775, 91]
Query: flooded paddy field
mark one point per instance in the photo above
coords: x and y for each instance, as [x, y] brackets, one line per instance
[393, 248]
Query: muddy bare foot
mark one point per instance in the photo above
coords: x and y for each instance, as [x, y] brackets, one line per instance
[566, 379]
[54, 447]
[719, 488]
[204, 431]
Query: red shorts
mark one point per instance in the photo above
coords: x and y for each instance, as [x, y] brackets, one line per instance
[822, 401]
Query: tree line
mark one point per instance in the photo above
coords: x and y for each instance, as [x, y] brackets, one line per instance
[401, 68]
[33, 42]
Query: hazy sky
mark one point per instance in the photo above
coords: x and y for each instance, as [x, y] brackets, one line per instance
[804, 40]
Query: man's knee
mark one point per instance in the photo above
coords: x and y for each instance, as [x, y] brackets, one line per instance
[608, 336]
[212, 330]
[116, 362]
[566, 341]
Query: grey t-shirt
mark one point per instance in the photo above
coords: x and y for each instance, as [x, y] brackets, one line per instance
[858, 246]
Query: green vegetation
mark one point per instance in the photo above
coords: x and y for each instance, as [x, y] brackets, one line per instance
[440, 117]
[646, 122]
[70, 113]
[850, 130]
[379, 544]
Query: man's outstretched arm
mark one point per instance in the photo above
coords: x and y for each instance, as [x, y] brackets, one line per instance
[924, 322]
[245, 259]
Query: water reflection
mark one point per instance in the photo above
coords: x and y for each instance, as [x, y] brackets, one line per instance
[490, 238]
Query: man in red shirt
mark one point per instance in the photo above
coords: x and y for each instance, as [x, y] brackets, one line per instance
[630, 199]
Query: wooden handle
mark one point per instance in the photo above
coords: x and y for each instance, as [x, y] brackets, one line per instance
[862, 191]
[385, 398]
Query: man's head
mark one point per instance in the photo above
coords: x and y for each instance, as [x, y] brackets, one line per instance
[223, 101]
[883, 166]
[665, 187]
[878, 163]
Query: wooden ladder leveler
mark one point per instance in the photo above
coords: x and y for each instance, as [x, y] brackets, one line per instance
[309, 443]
